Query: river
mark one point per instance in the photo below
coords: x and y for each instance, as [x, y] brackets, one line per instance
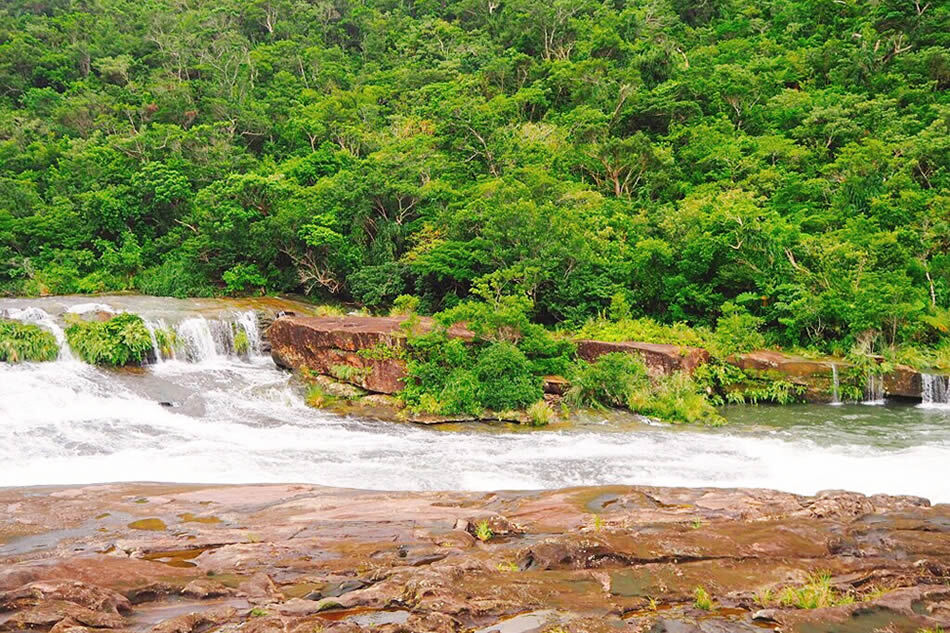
[211, 416]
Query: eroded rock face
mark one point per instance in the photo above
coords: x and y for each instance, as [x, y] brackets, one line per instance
[661, 359]
[288, 559]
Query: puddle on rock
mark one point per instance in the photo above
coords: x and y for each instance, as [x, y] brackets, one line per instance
[153, 524]
[366, 617]
[176, 558]
[531, 622]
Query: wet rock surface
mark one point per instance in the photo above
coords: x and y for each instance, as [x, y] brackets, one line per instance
[295, 558]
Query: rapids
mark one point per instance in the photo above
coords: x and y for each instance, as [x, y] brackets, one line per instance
[237, 418]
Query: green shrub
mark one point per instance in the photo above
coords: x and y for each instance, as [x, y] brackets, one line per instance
[349, 373]
[122, 340]
[460, 394]
[404, 305]
[504, 378]
[483, 531]
[737, 331]
[607, 382]
[175, 277]
[243, 278]
[26, 342]
[645, 330]
[676, 398]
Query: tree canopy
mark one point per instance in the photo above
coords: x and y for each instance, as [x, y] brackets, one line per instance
[786, 158]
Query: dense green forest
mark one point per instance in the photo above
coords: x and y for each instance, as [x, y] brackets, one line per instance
[784, 161]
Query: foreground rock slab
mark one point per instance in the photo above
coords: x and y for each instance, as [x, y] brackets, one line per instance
[298, 558]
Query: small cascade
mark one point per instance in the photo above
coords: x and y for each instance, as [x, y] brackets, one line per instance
[935, 391]
[248, 322]
[835, 385]
[40, 317]
[159, 329]
[199, 339]
[874, 389]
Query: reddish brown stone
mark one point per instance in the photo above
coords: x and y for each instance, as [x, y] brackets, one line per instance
[351, 561]
[558, 385]
[903, 382]
[661, 359]
[322, 343]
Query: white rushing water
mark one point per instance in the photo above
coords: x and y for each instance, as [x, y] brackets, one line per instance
[240, 419]
[936, 391]
[835, 386]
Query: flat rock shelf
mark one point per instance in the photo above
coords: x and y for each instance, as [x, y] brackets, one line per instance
[300, 558]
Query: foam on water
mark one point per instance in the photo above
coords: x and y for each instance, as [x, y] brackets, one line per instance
[233, 419]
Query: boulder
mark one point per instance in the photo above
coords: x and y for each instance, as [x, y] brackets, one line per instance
[370, 346]
[903, 382]
[661, 359]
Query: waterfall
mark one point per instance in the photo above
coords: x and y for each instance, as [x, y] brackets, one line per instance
[197, 339]
[935, 391]
[874, 389]
[835, 386]
[201, 339]
[190, 337]
[40, 317]
[154, 327]
[248, 322]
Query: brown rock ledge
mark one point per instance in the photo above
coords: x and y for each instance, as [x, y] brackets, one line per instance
[371, 346]
[300, 558]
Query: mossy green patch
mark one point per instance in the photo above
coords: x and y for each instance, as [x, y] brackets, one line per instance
[153, 524]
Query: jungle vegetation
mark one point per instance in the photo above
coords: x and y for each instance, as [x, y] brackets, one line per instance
[621, 166]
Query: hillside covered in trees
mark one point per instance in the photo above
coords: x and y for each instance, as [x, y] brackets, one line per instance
[686, 158]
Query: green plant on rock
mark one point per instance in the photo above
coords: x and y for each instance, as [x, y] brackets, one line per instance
[702, 599]
[777, 391]
[349, 373]
[500, 370]
[483, 531]
[121, 340]
[167, 341]
[382, 351]
[737, 331]
[318, 398]
[540, 413]
[816, 593]
[241, 342]
[21, 342]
